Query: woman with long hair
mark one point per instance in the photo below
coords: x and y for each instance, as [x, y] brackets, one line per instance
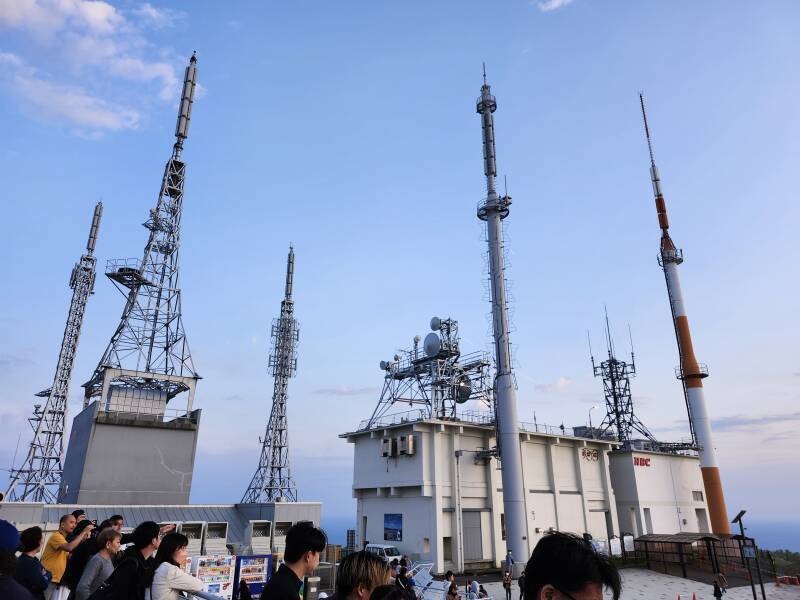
[170, 578]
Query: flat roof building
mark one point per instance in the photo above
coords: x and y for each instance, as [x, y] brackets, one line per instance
[432, 488]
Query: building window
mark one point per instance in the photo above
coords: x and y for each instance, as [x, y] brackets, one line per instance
[503, 525]
[697, 496]
[447, 548]
[426, 545]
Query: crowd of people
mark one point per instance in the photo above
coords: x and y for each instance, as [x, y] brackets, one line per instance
[561, 567]
[83, 561]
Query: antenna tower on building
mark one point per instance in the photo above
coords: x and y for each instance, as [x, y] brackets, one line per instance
[493, 209]
[39, 477]
[272, 481]
[432, 380]
[147, 362]
[620, 421]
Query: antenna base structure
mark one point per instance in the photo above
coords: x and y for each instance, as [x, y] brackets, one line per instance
[272, 481]
[38, 479]
[148, 362]
[434, 381]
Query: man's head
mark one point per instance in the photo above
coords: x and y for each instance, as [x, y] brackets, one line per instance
[117, 522]
[359, 574]
[109, 540]
[66, 524]
[304, 542]
[79, 515]
[566, 567]
[30, 539]
[145, 537]
[449, 576]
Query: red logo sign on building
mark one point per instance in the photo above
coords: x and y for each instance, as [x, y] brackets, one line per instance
[641, 461]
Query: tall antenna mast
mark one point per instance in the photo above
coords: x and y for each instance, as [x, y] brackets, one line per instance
[147, 362]
[493, 210]
[272, 481]
[690, 372]
[39, 477]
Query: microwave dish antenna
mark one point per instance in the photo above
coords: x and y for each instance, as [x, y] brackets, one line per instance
[432, 345]
[436, 324]
[463, 388]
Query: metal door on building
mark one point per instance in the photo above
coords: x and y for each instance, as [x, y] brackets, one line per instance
[473, 544]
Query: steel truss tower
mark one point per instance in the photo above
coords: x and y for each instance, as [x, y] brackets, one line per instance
[493, 209]
[39, 477]
[620, 420]
[148, 362]
[437, 378]
[272, 481]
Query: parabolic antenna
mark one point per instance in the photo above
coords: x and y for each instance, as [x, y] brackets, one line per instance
[436, 324]
[432, 344]
[384, 365]
[463, 388]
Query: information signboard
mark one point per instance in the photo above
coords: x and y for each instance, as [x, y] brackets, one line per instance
[253, 571]
[216, 572]
[627, 543]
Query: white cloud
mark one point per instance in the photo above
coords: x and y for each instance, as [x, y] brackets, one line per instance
[46, 17]
[559, 385]
[86, 39]
[158, 17]
[550, 5]
[72, 105]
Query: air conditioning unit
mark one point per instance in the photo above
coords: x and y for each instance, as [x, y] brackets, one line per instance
[388, 447]
[407, 444]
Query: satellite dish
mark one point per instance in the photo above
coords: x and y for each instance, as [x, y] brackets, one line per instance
[463, 388]
[396, 357]
[384, 365]
[432, 344]
[436, 324]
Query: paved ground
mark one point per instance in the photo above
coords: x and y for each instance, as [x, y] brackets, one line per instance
[641, 584]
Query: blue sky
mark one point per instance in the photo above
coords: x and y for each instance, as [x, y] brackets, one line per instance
[349, 130]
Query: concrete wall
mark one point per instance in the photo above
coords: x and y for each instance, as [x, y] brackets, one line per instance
[664, 485]
[127, 461]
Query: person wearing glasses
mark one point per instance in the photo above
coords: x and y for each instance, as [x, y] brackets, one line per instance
[566, 567]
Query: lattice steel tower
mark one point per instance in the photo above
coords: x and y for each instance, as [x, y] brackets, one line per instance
[620, 420]
[148, 362]
[272, 481]
[39, 477]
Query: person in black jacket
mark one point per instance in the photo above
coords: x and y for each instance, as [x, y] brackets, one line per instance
[29, 571]
[134, 573]
[304, 542]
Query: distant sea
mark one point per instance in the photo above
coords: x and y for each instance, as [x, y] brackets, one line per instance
[770, 535]
[774, 535]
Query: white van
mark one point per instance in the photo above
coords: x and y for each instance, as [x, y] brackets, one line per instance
[386, 552]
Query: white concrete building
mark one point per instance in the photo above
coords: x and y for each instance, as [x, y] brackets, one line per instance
[426, 487]
[658, 492]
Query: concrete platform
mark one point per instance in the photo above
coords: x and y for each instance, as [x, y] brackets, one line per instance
[641, 584]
